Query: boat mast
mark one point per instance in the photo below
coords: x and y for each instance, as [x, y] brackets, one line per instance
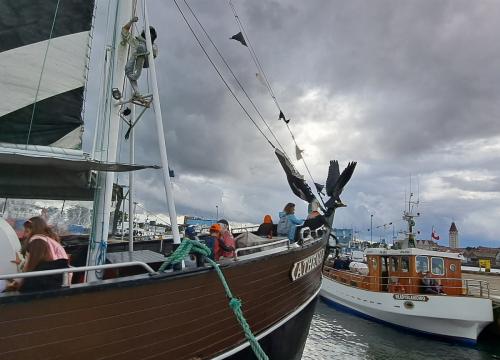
[169, 191]
[408, 216]
[99, 236]
[131, 213]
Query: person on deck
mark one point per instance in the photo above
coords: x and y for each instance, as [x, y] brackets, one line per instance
[266, 228]
[138, 53]
[315, 219]
[228, 238]
[221, 248]
[431, 285]
[288, 222]
[43, 252]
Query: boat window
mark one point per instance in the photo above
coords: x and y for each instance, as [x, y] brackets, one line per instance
[383, 264]
[437, 266]
[405, 263]
[394, 264]
[422, 264]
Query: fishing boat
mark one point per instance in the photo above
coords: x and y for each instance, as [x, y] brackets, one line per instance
[127, 304]
[418, 290]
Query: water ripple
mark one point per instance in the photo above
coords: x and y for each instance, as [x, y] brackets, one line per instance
[337, 335]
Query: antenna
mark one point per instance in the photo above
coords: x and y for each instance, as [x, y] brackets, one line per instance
[418, 189]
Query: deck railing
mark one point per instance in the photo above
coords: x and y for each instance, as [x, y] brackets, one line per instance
[66, 271]
[396, 284]
[261, 246]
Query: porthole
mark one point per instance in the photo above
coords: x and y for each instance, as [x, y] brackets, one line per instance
[453, 267]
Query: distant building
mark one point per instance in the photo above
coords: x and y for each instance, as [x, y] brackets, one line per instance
[453, 240]
[473, 255]
[427, 245]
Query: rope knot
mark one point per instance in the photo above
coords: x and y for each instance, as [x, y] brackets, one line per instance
[235, 304]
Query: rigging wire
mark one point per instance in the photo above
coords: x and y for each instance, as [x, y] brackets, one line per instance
[220, 75]
[41, 72]
[149, 212]
[254, 55]
[234, 76]
[260, 69]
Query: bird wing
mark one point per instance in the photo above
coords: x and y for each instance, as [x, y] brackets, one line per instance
[333, 175]
[343, 179]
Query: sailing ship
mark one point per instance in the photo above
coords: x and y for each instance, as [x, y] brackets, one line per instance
[414, 289]
[126, 306]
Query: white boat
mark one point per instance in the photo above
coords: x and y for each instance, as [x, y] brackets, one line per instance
[418, 290]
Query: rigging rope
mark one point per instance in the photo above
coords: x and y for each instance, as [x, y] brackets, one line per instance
[253, 55]
[189, 246]
[220, 75]
[41, 73]
[234, 76]
[152, 213]
[260, 69]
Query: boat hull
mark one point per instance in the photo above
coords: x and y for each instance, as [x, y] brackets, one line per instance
[456, 318]
[181, 315]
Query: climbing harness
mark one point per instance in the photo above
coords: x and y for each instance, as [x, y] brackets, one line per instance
[189, 246]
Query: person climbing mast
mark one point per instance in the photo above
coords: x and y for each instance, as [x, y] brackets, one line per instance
[138, 53]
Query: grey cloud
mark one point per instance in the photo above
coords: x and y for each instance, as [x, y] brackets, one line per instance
[419, 76]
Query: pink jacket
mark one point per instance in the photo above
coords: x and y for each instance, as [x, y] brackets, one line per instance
[56, 250]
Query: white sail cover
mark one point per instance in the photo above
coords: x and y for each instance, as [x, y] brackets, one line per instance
[43, 58]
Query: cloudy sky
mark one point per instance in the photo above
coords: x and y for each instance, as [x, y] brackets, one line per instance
[406, 88]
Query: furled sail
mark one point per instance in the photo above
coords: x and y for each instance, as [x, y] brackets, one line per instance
[43, 58]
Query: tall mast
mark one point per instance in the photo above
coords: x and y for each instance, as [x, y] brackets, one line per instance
[131, 212]
[169, 191]
[99, 236]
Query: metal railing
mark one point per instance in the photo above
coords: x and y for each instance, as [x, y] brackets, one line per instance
[260, 246]
[246, 229]
[468, 287]
[65, 271]
[476, 288]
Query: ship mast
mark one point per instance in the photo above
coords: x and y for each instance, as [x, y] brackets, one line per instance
[99, 236]
[169, 190]
[98, 243]
[409, 216]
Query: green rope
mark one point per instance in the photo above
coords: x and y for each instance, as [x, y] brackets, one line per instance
[188, 246]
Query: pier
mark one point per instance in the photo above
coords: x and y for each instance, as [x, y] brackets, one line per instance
[493, 280]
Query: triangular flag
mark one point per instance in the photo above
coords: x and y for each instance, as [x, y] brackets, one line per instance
[171, 172]
[239, 37]
[319, 188]
[282, 117]
[298, 153]
[261, 79]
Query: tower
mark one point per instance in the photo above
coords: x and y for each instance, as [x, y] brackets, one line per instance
[453, 242]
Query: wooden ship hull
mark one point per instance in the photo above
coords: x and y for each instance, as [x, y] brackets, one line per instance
[176, 315]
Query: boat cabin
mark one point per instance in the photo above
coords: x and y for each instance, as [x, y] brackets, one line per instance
[408, 270]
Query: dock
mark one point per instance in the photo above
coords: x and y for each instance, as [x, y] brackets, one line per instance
[493, 280]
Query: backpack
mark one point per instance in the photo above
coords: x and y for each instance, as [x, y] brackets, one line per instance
[283, 226]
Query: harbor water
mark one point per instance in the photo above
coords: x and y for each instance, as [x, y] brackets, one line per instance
[338, 335]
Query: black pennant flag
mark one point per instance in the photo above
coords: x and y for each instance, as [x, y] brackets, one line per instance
[282, 117]
[295, 179]
[239, 37]
[319, 188]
